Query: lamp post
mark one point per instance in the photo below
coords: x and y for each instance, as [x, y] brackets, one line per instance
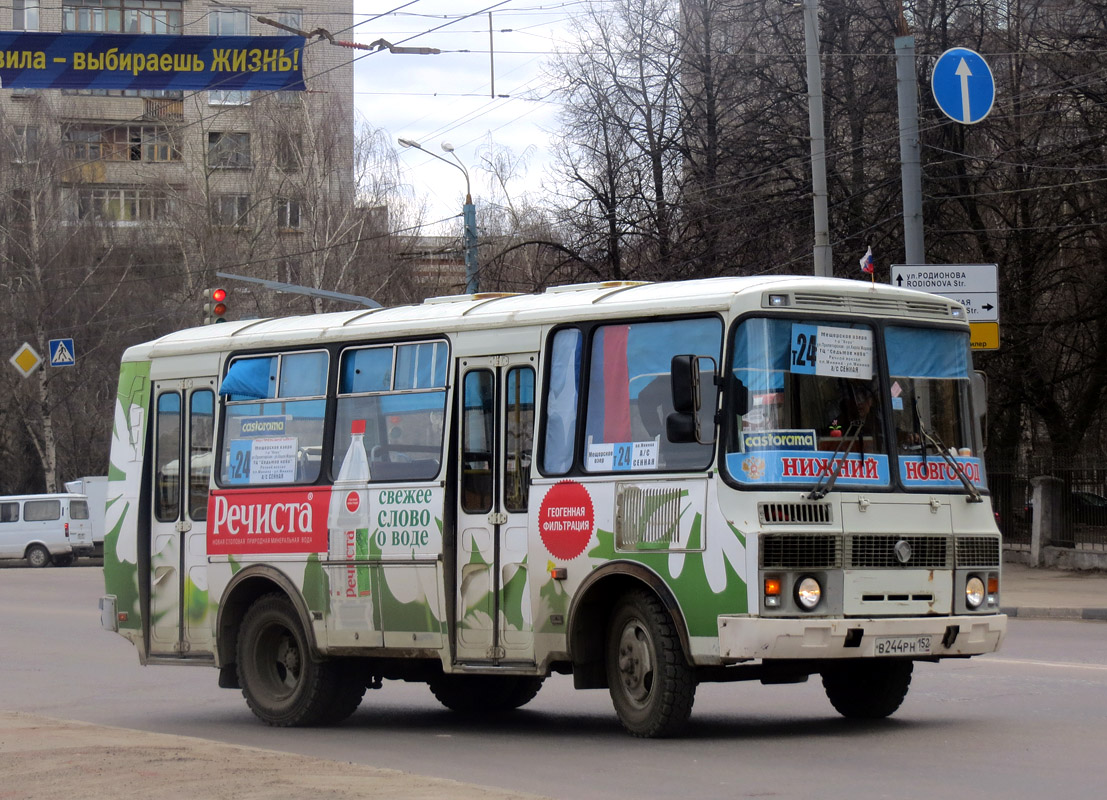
[469, 212]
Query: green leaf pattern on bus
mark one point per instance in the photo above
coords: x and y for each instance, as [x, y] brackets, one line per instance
[124, 485]
[317, 589]
[512, 595]
[197, 604]
[708, 575]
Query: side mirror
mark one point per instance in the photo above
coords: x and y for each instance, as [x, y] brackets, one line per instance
[683, 425]
[685, 379]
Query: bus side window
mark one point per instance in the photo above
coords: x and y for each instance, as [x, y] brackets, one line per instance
[478, 419]
[167, 458]
[562, 396]
[519, 428]
[201, 434]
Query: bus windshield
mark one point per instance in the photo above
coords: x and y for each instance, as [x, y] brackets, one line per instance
[814, 403]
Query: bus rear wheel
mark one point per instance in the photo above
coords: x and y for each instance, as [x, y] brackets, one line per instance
[651, 684]
[868, 689]
[485, 694]
[282, 685]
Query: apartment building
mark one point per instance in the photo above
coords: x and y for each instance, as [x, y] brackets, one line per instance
[225, 173]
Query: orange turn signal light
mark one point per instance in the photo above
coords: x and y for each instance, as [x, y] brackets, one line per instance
[772, 587]
[993, 584]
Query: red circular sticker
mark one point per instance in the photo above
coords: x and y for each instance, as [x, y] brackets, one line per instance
[352, 502]
[566, 520]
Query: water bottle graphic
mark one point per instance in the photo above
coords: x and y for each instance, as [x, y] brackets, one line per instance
[348, 520]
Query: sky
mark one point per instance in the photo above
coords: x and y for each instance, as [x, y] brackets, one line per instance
[432, 99]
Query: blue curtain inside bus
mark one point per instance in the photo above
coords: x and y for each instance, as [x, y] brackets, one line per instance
[927, 353]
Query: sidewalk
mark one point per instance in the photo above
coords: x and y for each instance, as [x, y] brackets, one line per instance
[1028, 593]
[48, 759]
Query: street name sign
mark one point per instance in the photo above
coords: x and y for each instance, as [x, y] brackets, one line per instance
[975, 286]
[963, 85]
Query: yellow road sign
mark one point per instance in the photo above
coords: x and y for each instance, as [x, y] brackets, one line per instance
[984, 335]
[26, 360]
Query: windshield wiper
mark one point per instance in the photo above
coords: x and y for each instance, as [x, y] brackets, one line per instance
[819, 491]
[943, 451]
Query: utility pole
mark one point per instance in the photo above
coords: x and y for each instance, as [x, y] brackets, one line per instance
[907, 91]
[823, 265]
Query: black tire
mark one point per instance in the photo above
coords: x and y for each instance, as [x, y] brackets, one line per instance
[37, 556]
[526, 689]
[484, 694]
[349, 689]
[63, 561]
[652, 686]
[868, 689]
[282, 685]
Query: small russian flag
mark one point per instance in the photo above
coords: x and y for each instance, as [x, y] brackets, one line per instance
[867, 262]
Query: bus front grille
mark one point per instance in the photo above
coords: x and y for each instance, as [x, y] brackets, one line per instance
[977, 551]
[879, 551]
[794, 513]
[801, 551]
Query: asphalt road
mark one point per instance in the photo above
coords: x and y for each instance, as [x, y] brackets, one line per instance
[1024, 723]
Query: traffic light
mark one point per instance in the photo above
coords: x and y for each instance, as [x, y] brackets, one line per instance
[215, 306]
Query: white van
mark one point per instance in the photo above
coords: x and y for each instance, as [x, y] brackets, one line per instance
[45, 528]
[95, 488]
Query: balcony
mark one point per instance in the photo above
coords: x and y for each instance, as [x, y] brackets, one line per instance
[162, 109]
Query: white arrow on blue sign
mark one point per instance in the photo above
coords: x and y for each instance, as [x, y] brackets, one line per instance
[963, 86]
[62, 353]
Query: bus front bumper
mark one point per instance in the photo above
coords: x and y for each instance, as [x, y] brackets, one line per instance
[746, 638]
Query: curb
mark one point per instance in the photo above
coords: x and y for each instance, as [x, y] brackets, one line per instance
[1034, 612]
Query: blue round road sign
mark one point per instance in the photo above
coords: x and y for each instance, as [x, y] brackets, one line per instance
[963, 86]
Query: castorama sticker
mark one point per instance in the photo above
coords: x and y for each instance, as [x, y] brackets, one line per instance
[268, 521]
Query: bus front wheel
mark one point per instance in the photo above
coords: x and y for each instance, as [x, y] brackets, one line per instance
[868, 689]
[282, 685]
[652, 686]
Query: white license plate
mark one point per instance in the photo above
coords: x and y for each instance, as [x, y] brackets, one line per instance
[902, 646]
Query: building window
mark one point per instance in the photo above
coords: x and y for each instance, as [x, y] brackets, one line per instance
[230, 210]
[166, 94]
[122, 16]
[289, 149]
[224, 21]
[230, 97]
[288, 214]
[122, 205]
[228, 150]
[25, 144]
[229, 22]
[25, 15]
[120, 143]
[292, 17]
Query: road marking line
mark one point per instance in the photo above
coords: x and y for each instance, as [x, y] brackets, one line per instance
[1060, 664]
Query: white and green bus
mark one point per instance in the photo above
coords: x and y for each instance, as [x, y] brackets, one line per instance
[646, 486]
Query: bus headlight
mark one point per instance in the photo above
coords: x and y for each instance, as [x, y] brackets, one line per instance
[974, 592]
[808, 593]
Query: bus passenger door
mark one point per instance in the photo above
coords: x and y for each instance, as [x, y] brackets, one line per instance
[493, 615]
[180, 609]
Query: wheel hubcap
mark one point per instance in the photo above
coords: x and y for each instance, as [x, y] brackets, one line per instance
[288, 662]
[636, 667]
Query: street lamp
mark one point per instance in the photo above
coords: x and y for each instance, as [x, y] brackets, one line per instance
[469, 212]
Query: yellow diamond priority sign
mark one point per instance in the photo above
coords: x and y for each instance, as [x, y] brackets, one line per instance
[26, 360]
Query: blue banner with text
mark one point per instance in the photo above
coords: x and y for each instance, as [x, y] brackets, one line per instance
[150, 61]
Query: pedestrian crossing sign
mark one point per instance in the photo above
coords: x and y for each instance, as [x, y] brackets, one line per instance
[62, 353]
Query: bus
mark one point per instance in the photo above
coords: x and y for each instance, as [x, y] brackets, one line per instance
[644, 485]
